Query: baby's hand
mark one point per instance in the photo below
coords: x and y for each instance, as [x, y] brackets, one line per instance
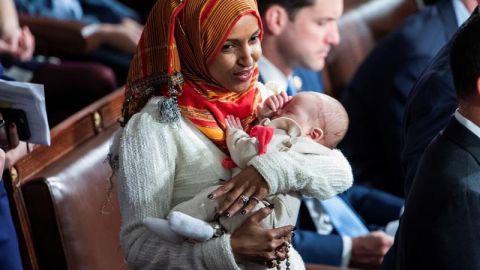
[233, 122]
[273, 103]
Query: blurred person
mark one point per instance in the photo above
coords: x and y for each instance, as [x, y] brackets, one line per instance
[441, 232]
[300, 34]
[112, 28]
[376, 97]
[190, 71]
[429, 107]
[9, 250]
[69, 86]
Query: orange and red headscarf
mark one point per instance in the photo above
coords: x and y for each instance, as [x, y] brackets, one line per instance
[179, 41]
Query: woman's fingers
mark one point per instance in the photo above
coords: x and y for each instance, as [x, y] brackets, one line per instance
[258, 216]
[253, 243]
[221, 190]
[233, 202]
[252, 201]
[231, 195]
[283, 233]
[237, 191]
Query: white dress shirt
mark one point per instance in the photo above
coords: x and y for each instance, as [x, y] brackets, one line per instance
[461, 11]
[467, 123]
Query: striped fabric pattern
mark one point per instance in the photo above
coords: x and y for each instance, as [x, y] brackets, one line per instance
[183, 37]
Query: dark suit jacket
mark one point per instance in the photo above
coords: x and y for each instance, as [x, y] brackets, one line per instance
[374, 207]
[440, 225]
[376, 97]
[429, 106]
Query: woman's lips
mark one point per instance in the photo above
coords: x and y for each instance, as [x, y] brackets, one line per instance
[244, 75]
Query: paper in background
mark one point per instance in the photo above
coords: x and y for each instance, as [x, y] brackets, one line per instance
[30, 98]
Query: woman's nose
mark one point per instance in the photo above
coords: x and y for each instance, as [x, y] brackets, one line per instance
[245, 58]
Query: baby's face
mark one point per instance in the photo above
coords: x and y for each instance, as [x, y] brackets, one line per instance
[303, 109]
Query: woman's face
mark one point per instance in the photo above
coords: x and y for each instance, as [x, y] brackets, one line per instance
[234, 64]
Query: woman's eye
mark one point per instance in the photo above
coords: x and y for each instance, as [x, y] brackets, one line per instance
[254, 39]
[228, 47]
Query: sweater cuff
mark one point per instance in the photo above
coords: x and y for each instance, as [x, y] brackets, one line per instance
[217, 254]
[272, 171]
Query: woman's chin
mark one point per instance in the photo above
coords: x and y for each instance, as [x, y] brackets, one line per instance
[240, 87]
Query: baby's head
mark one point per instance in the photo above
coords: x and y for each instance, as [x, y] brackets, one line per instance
[321, 117]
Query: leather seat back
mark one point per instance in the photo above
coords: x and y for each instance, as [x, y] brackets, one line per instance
[59, 195]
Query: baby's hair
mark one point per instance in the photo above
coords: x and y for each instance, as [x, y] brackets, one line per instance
[333, 116]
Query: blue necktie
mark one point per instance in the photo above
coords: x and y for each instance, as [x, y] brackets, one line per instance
[345, 221]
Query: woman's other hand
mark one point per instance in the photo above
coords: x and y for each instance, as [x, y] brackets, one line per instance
[254, 244]
[244, 190]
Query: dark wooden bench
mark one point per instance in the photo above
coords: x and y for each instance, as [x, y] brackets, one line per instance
[59, 198]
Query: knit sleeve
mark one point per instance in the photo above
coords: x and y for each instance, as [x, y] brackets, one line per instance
[147, 163]
[242, 147]
[321, 176]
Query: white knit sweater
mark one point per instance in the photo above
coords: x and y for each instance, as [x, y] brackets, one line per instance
[162, 165]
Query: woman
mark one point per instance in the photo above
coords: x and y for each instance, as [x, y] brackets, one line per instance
[195, 64]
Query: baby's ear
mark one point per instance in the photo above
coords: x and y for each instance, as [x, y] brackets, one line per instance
[317, 134]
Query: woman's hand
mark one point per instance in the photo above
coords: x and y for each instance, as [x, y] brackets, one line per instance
[244, 190]
[254, 244]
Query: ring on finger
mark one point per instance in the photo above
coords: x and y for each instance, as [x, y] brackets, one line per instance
[245, 199]
[255, 199]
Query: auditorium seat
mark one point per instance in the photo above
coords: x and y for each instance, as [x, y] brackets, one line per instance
[64, 216]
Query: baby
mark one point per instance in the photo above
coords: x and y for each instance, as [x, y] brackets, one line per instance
[308, 123]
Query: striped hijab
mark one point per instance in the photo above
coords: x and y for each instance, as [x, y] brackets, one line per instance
[179, 41]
